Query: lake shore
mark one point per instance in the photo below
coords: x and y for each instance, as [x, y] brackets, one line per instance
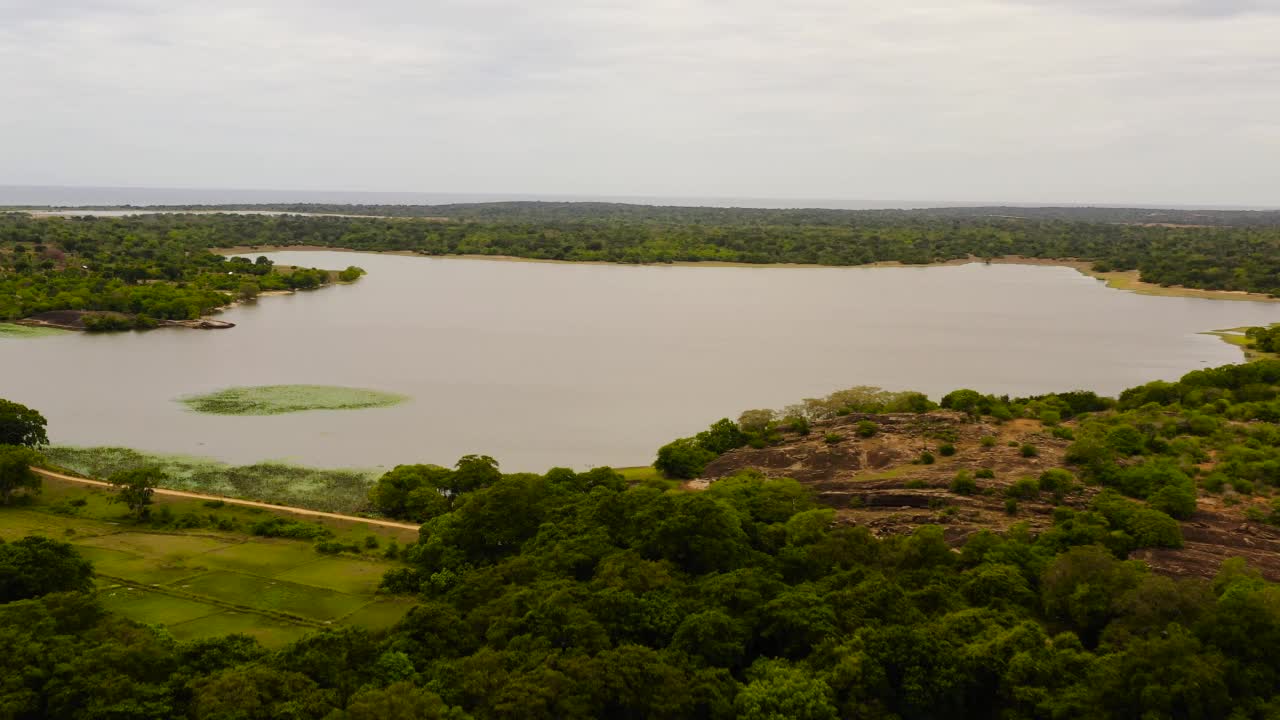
[1128, 280]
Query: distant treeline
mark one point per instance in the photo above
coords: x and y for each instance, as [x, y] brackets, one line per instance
[173, 248]
[1219, 258]
[544, 211]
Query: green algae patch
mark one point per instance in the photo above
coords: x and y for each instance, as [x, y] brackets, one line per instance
[10, 330]
[280, 399]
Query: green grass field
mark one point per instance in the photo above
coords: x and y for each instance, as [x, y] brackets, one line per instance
[202, 582]
[280, 399]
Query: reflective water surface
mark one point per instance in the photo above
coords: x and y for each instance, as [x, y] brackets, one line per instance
[543, 364]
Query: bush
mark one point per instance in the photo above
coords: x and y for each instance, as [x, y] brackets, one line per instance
[1027, 488]
[1125, 440]
[371, 541]
[926, 458]
[279, 527]
[1152, 528]
[986, 474]
[683, 459]
[1028, 450]
[988, 441]
[1057, 481]
[1010, 506]
[1177, 500]
[946, 450]
[867, 429]
[1050, 417]
[797, 424]
[332, 547]
[964, 484]
[832, 438]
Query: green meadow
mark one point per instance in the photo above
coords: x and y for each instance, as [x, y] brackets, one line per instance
[204, 582]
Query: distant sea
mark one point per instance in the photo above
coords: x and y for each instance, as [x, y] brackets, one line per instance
[61, 196]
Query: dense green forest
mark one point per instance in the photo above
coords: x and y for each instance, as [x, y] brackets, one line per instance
[149, 272]
[161, 254]
[161, 263]
[580, 594]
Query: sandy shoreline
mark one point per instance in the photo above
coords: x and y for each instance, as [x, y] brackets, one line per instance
[1127, 280]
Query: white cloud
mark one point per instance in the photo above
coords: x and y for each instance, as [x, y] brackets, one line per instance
[1135, 101]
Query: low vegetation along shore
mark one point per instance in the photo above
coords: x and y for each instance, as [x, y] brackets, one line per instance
[1067, 555]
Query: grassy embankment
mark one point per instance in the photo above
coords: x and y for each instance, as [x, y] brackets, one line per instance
[206, 582]
[22, 332]
[1236, 336]
[342, 491]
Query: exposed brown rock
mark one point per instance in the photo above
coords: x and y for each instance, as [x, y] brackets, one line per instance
[876, 482]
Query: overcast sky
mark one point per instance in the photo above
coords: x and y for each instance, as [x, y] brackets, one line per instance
[1104, 101]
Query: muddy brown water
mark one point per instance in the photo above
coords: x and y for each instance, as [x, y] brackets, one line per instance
[543, 364]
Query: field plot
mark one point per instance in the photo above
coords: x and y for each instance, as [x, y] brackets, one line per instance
[204, 583]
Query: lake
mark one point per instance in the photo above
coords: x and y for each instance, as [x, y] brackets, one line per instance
[543, 364]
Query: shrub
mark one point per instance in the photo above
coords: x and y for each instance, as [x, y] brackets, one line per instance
[797, 424]
[946, 450]
[963, 484]
[371, 541]
[1125, 440]
[279, 527]
[683, 459]
[1177, 500]
[1057, 481]
[1028, 450]
[988, 441]
[867, 429]
[1152, 528]
[832, 438]
[1050, 417]
[215, 504]
[926, 458]
[986, 474]
[1026, 488]
[1010, 506]
[333, 547]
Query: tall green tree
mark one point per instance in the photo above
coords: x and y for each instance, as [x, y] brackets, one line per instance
[135, 488]
[20, 425]
[15, 471]
[35, 566]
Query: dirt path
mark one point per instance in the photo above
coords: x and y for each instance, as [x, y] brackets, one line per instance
[233, 501]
